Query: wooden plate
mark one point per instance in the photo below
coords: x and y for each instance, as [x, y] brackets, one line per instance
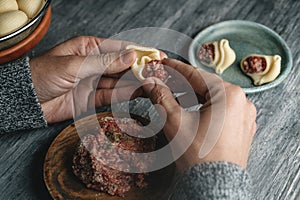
[63, 184]
[28, 43]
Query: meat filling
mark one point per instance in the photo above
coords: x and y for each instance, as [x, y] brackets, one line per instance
[207, 53]
[155, 68]
[96, 150]
[254, 64]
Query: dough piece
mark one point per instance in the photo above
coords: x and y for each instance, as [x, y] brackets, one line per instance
[261, 68]
[11, 21]
[147, 63]
[31, 7]
[217, 54]
[8, 5]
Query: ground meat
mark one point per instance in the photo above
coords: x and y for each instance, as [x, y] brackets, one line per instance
[96, 150]
[254, 64]
[155, 68]
[207, 53]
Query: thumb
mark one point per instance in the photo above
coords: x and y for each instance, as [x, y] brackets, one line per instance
[160, 94]
[109, 63]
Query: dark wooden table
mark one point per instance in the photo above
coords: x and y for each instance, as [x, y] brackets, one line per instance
[275, 155]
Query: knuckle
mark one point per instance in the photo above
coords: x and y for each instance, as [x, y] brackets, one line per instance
[234, 92]
[237, 90]
[193, 73]
[158, 94]
[80, 38]
[105, 60]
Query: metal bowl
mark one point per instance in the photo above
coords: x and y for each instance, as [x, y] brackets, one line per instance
[17, 36]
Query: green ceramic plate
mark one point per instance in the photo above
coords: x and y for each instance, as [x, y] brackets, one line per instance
[245, 38]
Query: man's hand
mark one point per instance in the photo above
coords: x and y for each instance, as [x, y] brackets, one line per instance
[223, 128]
[66, 78]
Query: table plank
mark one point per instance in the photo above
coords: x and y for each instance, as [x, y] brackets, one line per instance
[274, 161]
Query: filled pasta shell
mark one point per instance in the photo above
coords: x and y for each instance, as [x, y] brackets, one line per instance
[261, 68]
[31, 7]
[11, 21]
[8, 5]
[218, 55]
[147, 63]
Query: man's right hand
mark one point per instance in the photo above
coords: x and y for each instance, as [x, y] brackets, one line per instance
[225, 123]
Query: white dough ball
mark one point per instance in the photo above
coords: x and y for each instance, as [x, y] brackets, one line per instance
[11, 21]
[31, 7]
[8, 5]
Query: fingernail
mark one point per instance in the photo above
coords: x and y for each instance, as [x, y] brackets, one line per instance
[148, 85]
[128, 57]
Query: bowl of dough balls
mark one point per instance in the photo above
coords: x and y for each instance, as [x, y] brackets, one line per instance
[23, 23]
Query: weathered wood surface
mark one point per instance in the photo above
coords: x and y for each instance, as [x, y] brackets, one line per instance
[275, 155]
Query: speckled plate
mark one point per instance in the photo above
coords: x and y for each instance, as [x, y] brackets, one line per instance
[245, 38]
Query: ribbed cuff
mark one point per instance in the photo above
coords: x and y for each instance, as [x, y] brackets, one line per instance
[19, 105]
[214, 180]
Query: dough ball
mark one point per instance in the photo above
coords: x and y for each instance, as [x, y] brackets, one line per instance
[11, 21]
[31, 7]
[8, 5]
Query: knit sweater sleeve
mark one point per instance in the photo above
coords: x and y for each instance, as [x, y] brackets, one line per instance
[19, 106]
[214, 180]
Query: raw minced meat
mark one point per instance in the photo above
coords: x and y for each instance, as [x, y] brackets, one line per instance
[113, 144]
[254, 64]
[207, 53]
[155, 68]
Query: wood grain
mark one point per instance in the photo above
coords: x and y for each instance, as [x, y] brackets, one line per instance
[274, 162]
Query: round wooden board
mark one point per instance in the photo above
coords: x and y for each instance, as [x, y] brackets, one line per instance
[63, 184]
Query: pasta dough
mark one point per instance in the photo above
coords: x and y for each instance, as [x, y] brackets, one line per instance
[8, 5]
[31, 7]
[217, 54]
[11, 21]
[261, 68]
[144, 56]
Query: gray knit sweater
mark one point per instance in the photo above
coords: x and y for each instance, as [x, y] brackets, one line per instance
[20, 109]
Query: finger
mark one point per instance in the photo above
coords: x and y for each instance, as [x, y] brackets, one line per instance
[177, 82]
[200, 80]
[110, 45]
[118, 64]
[105, 64]
[188, 100]
[88, 45]
[81, 46]
[253, 129]
[127, 74]
[130, 76]
[117, 95]
[163, 55]
[109, 83]
[160, 94]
